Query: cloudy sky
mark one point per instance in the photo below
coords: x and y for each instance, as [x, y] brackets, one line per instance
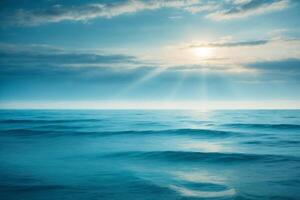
[113, 53]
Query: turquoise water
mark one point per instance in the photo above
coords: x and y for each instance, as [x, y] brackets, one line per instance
[153, 155]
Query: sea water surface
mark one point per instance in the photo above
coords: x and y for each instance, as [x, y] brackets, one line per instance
[149, 155]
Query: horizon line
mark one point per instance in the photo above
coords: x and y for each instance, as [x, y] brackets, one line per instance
[153, 105]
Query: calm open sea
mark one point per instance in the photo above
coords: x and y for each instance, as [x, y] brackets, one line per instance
[153, 155]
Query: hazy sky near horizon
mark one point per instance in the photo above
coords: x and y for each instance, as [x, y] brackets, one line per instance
[139, 50]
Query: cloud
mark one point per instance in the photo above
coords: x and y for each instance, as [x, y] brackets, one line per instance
[42, 54]
[43, 60]
[38, 57]
[203, 7]
[228, 51]
[288, 66]
[34, 64]
[87, 12]
[216, 10]
[243, 9]
[231, 44]
[278, 72]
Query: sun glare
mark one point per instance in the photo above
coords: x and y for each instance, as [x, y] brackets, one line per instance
[203, 52]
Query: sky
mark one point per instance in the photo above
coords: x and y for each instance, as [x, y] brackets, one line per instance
[150, 54]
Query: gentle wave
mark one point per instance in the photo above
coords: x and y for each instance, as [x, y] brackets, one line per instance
[48, 121]
[273, 143]
[187, 132]
[33, 188]
[263, 126]
[206, 157]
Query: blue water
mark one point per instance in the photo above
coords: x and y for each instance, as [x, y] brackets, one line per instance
[149, 155]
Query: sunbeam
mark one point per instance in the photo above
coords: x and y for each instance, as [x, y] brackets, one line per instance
[153, 73]
[177, 86]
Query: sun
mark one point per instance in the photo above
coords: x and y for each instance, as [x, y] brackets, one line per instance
[203, 52]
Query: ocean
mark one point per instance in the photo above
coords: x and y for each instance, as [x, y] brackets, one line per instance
[149, 154]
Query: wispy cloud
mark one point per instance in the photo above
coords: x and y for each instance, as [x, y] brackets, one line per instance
[243, 9]
[278, 72]
[239, 51]
[231, 44]
[216, 10]
[36, 58]
[87, 12]
[288, 66]
[44, 54]
[44, 58]
[50, 62]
